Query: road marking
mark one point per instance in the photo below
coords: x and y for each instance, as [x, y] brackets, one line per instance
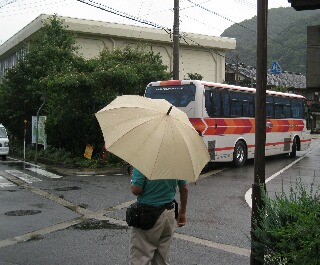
[211, 244]
[102, 215]
[4, 183]
[44, 173]
[23, 176]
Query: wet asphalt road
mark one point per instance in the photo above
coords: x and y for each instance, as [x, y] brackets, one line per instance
[73, 218]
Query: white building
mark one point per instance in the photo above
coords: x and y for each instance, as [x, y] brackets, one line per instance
[201, 54]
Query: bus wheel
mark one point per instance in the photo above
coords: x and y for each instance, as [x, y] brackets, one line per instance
[239, 154]
[293, 152]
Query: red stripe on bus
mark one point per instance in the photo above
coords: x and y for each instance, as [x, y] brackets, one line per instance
[249, 146]
[170, 83]
[218, 126]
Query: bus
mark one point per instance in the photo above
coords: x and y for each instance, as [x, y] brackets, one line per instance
[224, 115]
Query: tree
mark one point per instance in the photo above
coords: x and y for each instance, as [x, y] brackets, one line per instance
[195, 76]
[51, 52]
[75, 88]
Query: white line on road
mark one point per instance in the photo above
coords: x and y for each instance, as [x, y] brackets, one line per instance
[211, 244]
[4, 183]
[102, 215]
[44, 173]
[23, 176]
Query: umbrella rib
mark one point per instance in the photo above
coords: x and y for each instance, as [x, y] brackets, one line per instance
[160, 143]
[189, 154]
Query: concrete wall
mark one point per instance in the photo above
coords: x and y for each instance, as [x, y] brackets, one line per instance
[201, 54]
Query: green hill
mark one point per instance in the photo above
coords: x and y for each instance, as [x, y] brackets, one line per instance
[287, 38]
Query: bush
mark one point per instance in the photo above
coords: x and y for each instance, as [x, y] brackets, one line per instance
[290, 228]
[60, 156]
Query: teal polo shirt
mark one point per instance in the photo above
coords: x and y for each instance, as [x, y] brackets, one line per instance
[156, 192]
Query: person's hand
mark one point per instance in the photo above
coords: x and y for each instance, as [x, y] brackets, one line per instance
[181, 221]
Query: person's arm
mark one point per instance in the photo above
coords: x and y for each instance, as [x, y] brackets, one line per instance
[183, 190]
[137, 182]
[136, 190]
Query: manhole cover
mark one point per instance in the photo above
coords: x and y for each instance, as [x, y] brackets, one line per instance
[22, 212]
[67, 188]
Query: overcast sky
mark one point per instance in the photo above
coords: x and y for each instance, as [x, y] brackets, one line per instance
[210, 17]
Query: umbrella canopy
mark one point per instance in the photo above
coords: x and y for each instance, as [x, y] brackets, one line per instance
[154, 137]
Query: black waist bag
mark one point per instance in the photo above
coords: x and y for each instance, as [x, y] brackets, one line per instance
[143, 216]
[149, 216]
[133, 215]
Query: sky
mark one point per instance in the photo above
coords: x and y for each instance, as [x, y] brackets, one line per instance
[209, 17]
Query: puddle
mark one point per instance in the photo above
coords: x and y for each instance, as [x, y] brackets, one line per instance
[22, 212]
[67, 188]
[94, 224]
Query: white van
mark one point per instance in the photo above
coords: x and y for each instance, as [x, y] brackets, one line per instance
[4, 142]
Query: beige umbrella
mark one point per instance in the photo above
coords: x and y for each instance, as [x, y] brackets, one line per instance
[154, 137]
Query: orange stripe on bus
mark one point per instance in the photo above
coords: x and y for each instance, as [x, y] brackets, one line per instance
[218, 126]
[170, 83]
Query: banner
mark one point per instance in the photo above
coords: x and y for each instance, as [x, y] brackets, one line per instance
[88, 151]
[41, 130]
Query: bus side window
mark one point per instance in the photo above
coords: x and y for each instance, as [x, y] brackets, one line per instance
[269, 107]
[251, 107]
[282, 107]
[216, 101]
[208, 102]
[248, 105]
[225, 104]
[236, 108]
[287, 108]
[240, 104]
[297, 108]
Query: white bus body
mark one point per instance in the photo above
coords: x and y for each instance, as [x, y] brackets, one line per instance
[224, 116]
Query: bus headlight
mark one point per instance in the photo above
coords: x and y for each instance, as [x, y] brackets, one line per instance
[6, 144]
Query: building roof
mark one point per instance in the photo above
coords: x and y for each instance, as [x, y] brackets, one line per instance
[92, 27]
[285, 79]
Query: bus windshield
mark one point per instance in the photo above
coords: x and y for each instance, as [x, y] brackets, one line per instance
[177, 95]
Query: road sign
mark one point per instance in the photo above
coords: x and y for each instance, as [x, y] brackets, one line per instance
[275, 68]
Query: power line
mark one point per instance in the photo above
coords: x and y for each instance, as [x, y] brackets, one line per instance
[7, 2]
[123, 14]
[24, 6]
[253, 31]
[219, 15]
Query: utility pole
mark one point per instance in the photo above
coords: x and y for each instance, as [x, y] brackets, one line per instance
[176, 41]
[260, 125]
[237, 69]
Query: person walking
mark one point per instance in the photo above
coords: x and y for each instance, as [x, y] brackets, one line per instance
[152, 246]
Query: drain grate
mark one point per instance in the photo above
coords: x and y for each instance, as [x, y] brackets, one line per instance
[22, 212]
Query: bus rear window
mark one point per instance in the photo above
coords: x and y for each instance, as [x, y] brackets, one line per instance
[179, 96]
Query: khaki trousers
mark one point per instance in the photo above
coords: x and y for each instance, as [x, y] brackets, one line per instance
[152, 246]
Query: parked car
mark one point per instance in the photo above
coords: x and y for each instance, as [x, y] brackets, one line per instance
[4, 142]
